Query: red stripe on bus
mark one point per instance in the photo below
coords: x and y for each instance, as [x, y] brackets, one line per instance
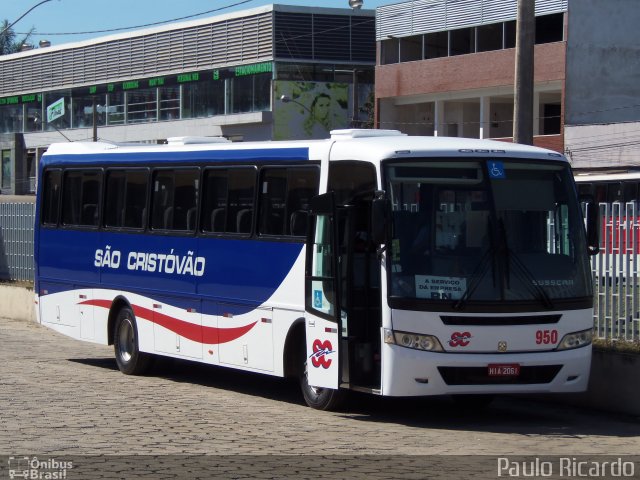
[196, 333]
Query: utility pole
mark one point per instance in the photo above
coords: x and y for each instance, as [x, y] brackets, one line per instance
[523, 91]
[94, 118]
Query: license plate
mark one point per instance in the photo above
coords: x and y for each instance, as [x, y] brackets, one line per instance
[504, 370]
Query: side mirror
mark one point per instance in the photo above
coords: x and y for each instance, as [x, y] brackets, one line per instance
[593, 226]
[379, 212]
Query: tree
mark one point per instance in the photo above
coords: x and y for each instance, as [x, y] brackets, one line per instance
[8, 43]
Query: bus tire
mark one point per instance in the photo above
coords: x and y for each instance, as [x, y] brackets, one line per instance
[315, 397]
[130, 360]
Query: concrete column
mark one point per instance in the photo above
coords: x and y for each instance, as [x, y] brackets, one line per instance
[438, 119]
[485, 117]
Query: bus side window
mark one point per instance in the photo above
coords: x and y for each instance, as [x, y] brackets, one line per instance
[228, 196]
[81, 197]
[273, 191]
[174, 200]
[51, 197]
[350, 180]
[284, 199]
[302, 186]
[126, 198]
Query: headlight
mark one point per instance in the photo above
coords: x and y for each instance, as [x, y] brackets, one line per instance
[428, 343]
[575, 340]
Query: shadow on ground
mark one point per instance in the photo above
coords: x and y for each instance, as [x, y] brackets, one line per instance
[509, 414]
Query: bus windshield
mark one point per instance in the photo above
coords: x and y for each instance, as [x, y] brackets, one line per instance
[469, 232]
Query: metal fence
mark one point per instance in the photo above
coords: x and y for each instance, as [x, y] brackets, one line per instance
[16, 241]
[615, 273]
[615, 268]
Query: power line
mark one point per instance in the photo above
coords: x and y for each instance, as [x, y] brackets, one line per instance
[146, 24]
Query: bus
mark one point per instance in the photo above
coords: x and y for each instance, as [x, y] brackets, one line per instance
[371, 261]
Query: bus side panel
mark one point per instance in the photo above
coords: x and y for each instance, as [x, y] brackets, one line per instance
[66, 275]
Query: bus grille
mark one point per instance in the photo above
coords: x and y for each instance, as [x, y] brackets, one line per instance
[479, 375]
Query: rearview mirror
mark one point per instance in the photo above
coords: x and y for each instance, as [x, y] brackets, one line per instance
[379, 214]
[593, 225]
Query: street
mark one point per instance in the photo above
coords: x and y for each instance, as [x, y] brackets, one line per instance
[62, 397]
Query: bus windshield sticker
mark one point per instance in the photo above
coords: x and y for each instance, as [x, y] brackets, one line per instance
[496, 170]
[440, 288]
[320, 300]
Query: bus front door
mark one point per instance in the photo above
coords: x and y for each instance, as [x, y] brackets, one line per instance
[322, 302]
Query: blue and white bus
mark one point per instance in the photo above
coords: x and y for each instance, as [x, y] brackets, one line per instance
[370, 261]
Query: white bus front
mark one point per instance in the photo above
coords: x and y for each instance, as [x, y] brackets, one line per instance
[488, 280]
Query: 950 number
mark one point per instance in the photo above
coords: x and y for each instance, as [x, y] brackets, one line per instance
[546, 337]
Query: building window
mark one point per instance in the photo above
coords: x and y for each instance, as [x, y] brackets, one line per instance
[549, 28]
[169, 103]
[6, 169]
[510, 34]
[251, 93]
[142, 106]
[389, 51]
[11, 119]
[203, 99]
[83, 111]
[241, 94]
[462, 41]
[490, 37]
[551, 124]
[436, 45]
[115, 108]
[411, 48]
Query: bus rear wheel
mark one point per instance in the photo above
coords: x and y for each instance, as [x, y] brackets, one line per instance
[130, 360]
[316, 397]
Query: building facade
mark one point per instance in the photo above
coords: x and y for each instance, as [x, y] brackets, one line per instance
[446, 67]
[223, 75]
[602, 119]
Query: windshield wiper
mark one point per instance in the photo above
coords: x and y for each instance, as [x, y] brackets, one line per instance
[521, 271]
[488, 260]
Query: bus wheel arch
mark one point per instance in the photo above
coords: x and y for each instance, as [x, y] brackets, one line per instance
[118, 303]
[292, 349]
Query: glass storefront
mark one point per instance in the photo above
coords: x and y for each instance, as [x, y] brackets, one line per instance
[235, 90]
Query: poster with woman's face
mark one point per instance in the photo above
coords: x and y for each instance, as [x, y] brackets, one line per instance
[314, 109]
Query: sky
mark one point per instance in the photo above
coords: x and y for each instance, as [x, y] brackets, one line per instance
[60, 21]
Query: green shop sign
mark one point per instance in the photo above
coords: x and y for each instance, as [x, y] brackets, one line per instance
[155, 82]
[20, 99]
[255, 69]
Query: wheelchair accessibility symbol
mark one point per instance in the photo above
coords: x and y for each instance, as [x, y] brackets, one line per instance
[317, 299]
[496, 170]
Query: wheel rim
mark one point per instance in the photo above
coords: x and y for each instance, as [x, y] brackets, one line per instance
[315, 390]
[126, 340]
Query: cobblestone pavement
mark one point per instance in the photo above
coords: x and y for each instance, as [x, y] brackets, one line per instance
[60, 396]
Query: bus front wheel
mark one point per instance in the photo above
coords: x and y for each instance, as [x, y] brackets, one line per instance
[130, 360]
[316, 397]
